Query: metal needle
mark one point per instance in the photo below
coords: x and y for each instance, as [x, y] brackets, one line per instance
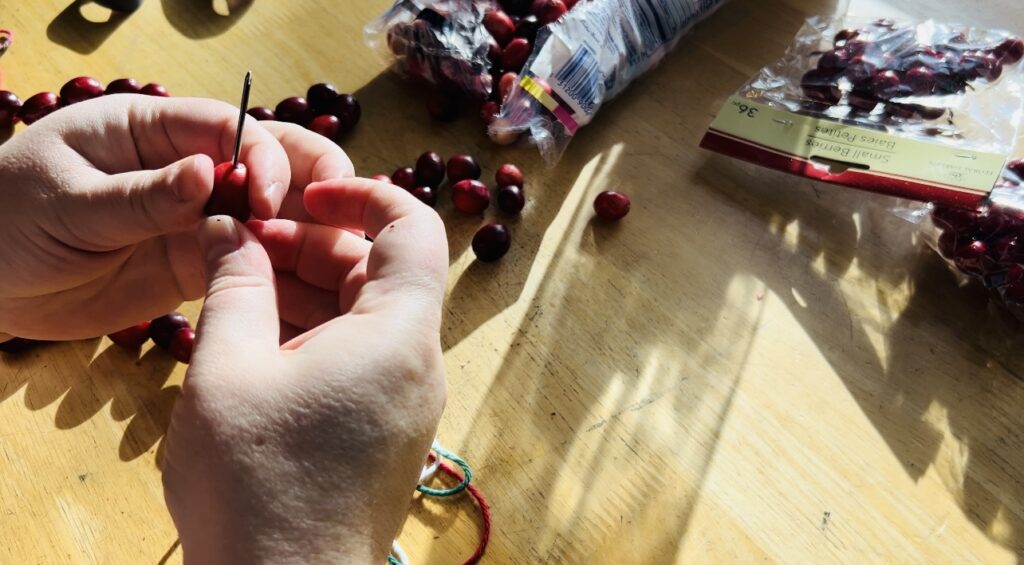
[246, 86]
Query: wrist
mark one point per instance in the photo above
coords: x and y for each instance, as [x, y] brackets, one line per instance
[286, 544]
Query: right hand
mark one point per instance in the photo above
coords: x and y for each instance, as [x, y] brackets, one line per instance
[310, 451]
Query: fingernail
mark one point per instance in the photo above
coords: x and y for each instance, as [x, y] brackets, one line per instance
[275, 193]
[218, 236]
[187, 186]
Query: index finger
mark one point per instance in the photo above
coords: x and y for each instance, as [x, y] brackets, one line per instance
[408, 260]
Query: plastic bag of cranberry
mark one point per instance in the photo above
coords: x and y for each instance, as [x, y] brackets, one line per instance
[925, 111]
[986, 242]
[542, 67]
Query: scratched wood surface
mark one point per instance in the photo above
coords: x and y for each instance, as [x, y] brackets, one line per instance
[749, 367]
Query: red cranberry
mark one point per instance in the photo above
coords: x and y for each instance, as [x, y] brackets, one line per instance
[348, 110]
[500, 26]
[327, 125]
[832, 62]
[321, 97]
[511, 199]
[443, 107]
[404, 177]
[493, 53]
[162, 329]
[505, 86]
[862, 100]
[261, 113]
[570, 4]
[820, 87]
[515, 54]
[10, 104]
[859, 70]
[182, 343]
[295, 110]
[462, 167]
[430, 169]
[980, 65]
[969, 257]
[885, 85]
[993, 67]
[856, 47]
[516, 7]
[123, 86]
[38, 107]
[1014, 289]
[1016, 167]
[488, 111]
[611, 205]
[903, 111]
[382, 178]
[919, 112]
[550, 11]
[509, 174]
[230, 196]
[947, 244]
[492, 242]
[1010, 50]
[470, 196]
[154, 89]
[133, 337]
[845, 35]
[959, 220]
[1008, 249]
[920, 81]
[527, 28]
[80, 89]
[426, 195]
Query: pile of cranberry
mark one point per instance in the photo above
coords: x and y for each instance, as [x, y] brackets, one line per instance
[872, 68]
[427, 53]
[324, 110]
[76, 90]
[987, 242]
[472, 197]
[469, 195]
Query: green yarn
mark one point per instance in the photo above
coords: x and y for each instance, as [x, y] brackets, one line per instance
[442, 452]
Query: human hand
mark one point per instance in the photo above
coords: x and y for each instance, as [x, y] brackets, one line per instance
[310, 451]
[99, 205]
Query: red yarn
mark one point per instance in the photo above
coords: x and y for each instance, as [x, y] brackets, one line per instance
[485, 513]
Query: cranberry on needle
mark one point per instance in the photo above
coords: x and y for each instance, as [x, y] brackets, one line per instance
[231, 179]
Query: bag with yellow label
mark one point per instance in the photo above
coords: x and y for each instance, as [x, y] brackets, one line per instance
[924, 111]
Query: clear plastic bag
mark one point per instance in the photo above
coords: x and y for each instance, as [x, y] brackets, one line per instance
[925, 111]
[440, 42]
[578, 55]
[986, 242]
[588, 58]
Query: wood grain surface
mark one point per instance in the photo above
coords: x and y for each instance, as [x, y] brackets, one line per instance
[750, 367]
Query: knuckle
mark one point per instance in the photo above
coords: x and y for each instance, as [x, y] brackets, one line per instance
[234, 282]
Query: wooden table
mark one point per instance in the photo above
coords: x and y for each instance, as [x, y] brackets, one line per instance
[749, 367]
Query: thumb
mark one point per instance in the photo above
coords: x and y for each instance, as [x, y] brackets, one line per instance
[130, 207]
[239, 320]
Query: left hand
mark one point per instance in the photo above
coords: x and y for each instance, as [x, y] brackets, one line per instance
[100, 202]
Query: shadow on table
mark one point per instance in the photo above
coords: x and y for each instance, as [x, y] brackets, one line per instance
[653, 313]
[200, 19]
[944, 389]
[83, 26]
[133, 385]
